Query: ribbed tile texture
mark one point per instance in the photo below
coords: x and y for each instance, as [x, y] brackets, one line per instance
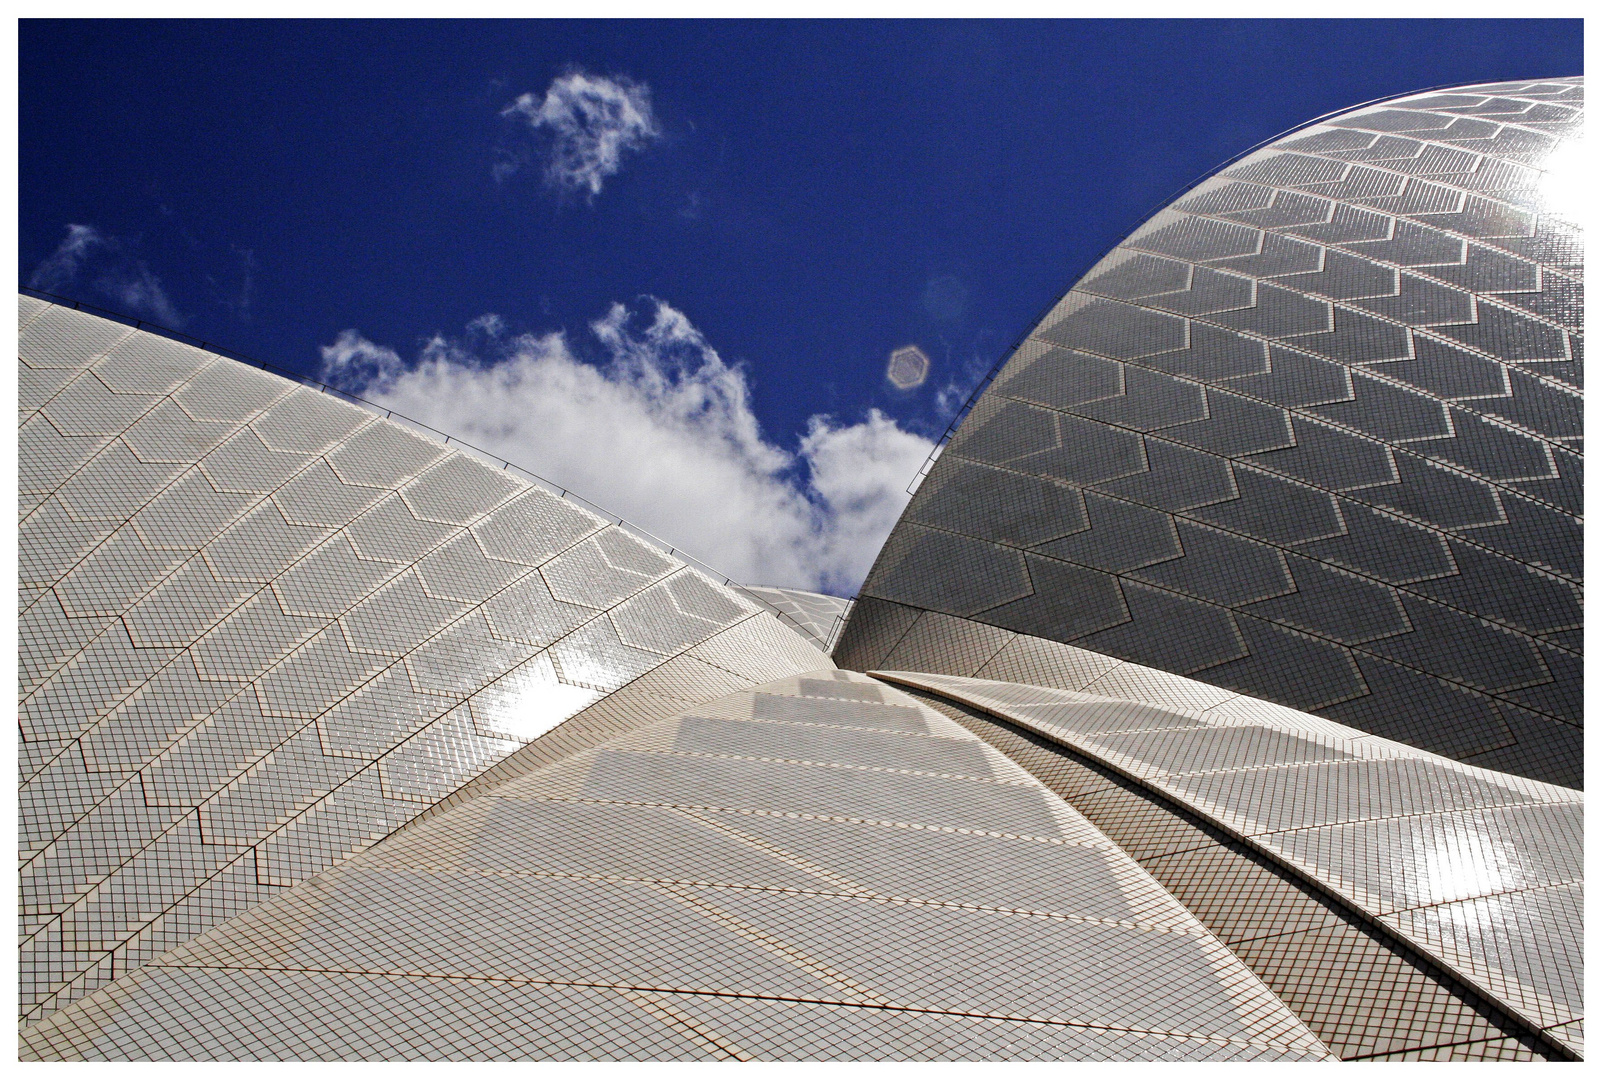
[819, 868]
[1312, 433]
[261, 628]
[1482, 871]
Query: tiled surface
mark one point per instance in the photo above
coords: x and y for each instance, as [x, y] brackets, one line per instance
[261, 628]
[1362, 992]
[1312, 434]
[1481, 871]
[816, 868]
[817, 616]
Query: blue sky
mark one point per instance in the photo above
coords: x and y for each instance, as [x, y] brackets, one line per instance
[692, 315]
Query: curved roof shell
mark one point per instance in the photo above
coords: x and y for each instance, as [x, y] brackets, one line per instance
[817, 868]
[1481, 871]
[262, 628]
[1310, 433]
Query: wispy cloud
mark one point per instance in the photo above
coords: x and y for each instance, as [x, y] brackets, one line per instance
[60, 267]
[661, 431]
[240, 301]
[111, 269]
[140, 291]
[951, 397]
[589, 122]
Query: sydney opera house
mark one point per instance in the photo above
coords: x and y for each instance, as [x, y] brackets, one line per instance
[1217, 696]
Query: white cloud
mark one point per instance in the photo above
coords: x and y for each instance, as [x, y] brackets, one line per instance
[592, 122]
[117, 275]
[661, 432]
[950, 398]
[861, 472]
[139, 291]
[58, 270]
[352, 360]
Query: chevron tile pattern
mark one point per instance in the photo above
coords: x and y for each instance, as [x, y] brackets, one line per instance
[1312, 433]
[817, 868]
[262, 628]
